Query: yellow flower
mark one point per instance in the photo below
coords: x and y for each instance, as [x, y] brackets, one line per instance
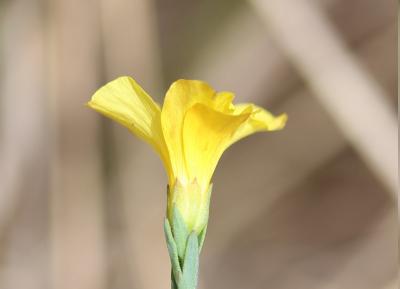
[190, 133]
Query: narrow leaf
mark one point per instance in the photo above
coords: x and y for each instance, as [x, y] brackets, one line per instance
[179, 231]
[173, 283]
[173, 252]
[191, 263]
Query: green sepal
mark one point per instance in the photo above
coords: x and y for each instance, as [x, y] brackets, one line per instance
[203, 232]
[190, 264]
[202, 236]
[180, 232]
[173, 252]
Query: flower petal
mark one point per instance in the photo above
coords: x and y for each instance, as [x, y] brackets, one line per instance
[206, 135]
[223, 102]
[182, 95]
[124, 101]
[259, 120]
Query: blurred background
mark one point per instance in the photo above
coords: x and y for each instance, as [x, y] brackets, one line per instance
[313, 206]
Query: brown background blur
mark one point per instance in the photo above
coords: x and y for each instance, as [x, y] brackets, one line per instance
[314, 206]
